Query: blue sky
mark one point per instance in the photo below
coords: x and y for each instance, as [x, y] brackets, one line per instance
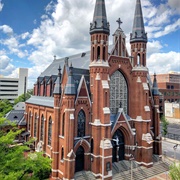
[33, 31]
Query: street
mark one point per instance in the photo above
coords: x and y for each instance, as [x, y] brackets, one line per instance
[168, 147]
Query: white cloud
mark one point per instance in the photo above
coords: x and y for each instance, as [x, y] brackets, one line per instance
[153, 47]
[168, 29]
[1, 6]
[6, 29]
[5, 60]
[175, 4]
[64, 30]
[25, 35]
[164, 62]
[5, 65]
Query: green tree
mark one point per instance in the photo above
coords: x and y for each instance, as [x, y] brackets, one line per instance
[175, 171]
[23, 98]
[5, 107]
[165, 124]
[14, 164]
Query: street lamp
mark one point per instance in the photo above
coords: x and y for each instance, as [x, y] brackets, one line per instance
[131, 159]
[175, 147]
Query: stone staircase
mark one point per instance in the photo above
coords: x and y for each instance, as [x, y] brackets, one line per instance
[122, 171]
[139, 172]
[84, 175]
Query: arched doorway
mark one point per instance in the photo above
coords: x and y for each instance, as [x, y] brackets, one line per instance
[118, 146]
[79, 159]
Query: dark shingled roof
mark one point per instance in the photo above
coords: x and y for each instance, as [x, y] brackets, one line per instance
[79, 61]
[100, 23]
[41, 100]
[15, 116]
[138, 33]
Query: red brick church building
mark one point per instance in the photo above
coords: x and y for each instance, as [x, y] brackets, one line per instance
[101, 107]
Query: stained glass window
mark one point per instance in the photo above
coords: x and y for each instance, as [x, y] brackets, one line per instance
[118, 93]
[49, 131]
[42, 127]
[81, 124]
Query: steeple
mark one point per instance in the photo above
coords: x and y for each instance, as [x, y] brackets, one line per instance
[138, 33]
[57, 88]
[99, 24]
[155, 90]
[70, 86]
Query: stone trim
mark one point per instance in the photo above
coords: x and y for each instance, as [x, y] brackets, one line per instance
[146, 164]
[143, 147]
[67, 110]
[70, 160]
[105, 84]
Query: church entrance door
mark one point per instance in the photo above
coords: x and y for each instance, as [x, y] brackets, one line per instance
[79, 159]
[118, 146]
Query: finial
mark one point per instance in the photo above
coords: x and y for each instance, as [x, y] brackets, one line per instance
[119, 23]
[54, 57]
[70, 69]
[66, 61]
[59, 69]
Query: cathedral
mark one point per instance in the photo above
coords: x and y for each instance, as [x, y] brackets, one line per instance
[98, 107]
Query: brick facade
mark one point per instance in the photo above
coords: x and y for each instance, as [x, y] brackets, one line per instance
[84, 133]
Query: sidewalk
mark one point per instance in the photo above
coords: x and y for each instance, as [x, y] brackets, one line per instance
[171, 141]
[162, 176]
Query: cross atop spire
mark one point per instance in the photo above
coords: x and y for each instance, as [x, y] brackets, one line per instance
[119, 23]
[138, 33]
[99, 23]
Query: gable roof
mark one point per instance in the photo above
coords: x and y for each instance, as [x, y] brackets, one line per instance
[79, 61]
[15, 116]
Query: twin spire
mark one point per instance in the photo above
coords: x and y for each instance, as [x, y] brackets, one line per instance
[138, 34]
[100, 23]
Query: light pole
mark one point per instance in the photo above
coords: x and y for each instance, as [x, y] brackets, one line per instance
[131, 159]
[175, 147]
[103, 161]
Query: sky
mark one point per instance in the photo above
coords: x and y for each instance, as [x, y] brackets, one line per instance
[33, 31]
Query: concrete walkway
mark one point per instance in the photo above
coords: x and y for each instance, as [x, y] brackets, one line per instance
[162, 176]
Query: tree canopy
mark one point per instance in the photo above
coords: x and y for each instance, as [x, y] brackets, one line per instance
[165, 124]
[23, 98]
[15, 162]
[175, 171]
[5, 107]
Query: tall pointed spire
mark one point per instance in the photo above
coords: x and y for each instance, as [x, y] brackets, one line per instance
[138, 33]
[155, 90]
[99, 23]
[57, 88]
[70, 86]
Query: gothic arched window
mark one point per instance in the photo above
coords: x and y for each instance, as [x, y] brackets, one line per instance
[138, 60]
[29, 121]
[118, 93]
[98, 53]
[81, 124]
[63, 124]
[49, 131]
[35, 124]
[42, 127]
[62, 153]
